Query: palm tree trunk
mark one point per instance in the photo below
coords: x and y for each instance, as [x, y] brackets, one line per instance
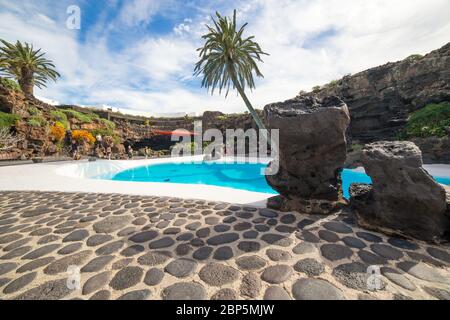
[27, 83]
[241, 91]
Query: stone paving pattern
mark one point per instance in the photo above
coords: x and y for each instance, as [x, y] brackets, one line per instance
[132, 247]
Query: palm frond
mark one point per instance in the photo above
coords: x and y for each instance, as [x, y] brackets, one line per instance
[227, 57]
[20, 60]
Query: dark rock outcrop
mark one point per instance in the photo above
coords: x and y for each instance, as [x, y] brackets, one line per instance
[312, 152]
[434, 149]
[380, 99]
[404, 199]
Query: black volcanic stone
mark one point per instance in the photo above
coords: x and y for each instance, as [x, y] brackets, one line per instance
[267, 213]
[371, 258]
[338, 227]
[153, 277]
[304, 223]
[126, 278]
[308, 237]
[162, 243]
[439, 254]
[185, 237]
[369, 237]
[386, 251]
[144, 236]
[97, 264]
[288, 219]
[285, 229]
[197, 242]
[223, 253]
[184, 291]
[223, 238]
[202, 253]
[242, 226]
[70, 248]
[328, 236]
[247, 263]
[136, 295]
[183, 249]
[110, 248]
[98, 239]
[229, 220]
[276, 239]
[353, 242]
[335, 252]
[203, 233]
[403, 244]
[251, 234]
[77, 235]
[132, 250]
[222, 228]
[181, 268]
[262, 228]
[249, 246]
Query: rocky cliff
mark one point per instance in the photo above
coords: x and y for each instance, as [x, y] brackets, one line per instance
[380, 99]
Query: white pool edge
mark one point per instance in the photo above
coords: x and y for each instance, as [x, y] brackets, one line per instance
[79, 177]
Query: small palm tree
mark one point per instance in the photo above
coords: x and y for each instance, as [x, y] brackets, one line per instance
[28, 66]
[229, 59]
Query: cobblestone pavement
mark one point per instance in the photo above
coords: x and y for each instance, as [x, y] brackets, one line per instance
[131, 247]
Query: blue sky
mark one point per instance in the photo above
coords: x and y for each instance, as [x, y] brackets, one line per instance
[139, 55]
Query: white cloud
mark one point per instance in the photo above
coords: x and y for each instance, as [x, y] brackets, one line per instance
[310, 42]
[137, 12]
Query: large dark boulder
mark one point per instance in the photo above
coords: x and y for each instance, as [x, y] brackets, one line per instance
[312, 152]
[403, 199]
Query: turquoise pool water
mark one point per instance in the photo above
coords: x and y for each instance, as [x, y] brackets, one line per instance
[245, 176]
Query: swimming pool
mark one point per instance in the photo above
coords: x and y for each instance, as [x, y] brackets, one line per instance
[244, 176]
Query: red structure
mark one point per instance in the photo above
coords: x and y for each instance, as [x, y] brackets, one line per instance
[181, 133]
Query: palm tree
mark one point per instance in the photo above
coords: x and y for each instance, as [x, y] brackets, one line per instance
[28, 66]
[229, 59]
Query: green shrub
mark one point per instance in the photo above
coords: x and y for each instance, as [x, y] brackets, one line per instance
[333, 83]
[32, 110]
[316, 88]
[80, 116]
[8, 120]
[37, 121]
[429, 121]
[414, 57]
[59, 116]
[10, 84]
[357, 147]
[108, 124]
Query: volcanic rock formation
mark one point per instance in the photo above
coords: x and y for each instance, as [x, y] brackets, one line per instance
[312, 152]
[404, 199]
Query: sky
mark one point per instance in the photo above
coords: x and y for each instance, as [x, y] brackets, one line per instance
[139, 55]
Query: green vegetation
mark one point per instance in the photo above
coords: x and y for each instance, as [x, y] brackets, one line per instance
[61, 117]
[222, 118]
[414, 57]
[28, 66]
[333, 83]
[228, 59]
[428, 122]
[80, 116]
[37, 121]
[32, 110]
[8, 120]
[316, 89]
[111, 126]
[10, 84]
[356, 147]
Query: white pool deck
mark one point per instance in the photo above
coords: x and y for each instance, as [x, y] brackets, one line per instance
[79, 177]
